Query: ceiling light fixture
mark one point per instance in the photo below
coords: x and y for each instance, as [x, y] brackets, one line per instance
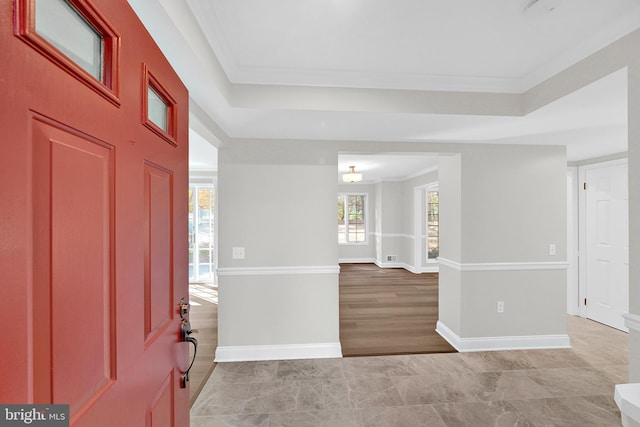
[352, 175]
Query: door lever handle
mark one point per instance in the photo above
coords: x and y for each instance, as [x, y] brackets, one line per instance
[185, 332]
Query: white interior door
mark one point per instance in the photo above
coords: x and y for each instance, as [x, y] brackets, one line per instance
[607, 244]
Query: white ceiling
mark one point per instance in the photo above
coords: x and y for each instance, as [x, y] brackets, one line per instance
[259, 69]
[488, 45]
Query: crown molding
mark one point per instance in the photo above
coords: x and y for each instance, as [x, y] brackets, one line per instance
[364, 79]
[622, 27]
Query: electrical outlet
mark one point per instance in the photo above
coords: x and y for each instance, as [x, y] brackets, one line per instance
[500, 306]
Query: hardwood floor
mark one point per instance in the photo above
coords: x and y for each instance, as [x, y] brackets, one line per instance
[204, 318]
[388, 311]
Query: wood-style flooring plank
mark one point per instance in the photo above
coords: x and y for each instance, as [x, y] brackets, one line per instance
[203, 316]
[388, 311]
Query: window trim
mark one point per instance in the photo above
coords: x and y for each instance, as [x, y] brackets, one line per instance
[366, 220]
[25, 29]
[150, 81]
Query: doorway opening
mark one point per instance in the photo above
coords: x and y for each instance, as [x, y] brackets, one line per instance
[388, 283]
[385, 311]
[203, 289]
[201, 233]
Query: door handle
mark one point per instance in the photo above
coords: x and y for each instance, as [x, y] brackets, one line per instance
[185, 336]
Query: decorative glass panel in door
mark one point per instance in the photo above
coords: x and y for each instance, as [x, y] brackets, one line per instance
[62, 26]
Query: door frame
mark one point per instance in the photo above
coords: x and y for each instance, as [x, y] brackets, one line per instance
[573, 241]
[582, 228]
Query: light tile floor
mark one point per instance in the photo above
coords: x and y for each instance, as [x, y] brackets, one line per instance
[571, 387]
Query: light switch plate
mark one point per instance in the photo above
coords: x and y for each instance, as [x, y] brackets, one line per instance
[238, 253]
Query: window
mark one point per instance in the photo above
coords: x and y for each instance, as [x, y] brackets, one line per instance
[201, 233]
[159, 109]
[65, 28]
[433, 224]
[352, 225]
[74, 36]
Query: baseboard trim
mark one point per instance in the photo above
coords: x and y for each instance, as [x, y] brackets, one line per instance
[430, 269]
[530, 342]
[382, 264]
[357, 261]
[424, 269]
[278, 271]
[503, 266]
[250, 353]
[419, 270]
[632, 321]
[410, 268]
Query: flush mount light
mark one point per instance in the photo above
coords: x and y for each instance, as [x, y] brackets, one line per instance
[540, 7]
[352, 175]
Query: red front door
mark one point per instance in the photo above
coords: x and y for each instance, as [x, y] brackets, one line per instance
[93, 231]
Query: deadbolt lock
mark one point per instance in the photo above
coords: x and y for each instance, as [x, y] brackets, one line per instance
[184, 308]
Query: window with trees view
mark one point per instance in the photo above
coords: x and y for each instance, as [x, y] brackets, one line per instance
[433, 224]
[352, 226]
[201, 236]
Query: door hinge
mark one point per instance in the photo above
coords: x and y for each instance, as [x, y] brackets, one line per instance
[584, 186]
[585, 301]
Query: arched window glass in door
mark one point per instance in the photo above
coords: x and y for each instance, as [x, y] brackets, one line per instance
[201, 233]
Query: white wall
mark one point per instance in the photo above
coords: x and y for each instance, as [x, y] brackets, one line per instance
[278, 202]
[390, 233]
[499, 204]
[514, 206]
[510, 204]
[449, 288]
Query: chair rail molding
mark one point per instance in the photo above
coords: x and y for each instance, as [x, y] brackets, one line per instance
[503, 266]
